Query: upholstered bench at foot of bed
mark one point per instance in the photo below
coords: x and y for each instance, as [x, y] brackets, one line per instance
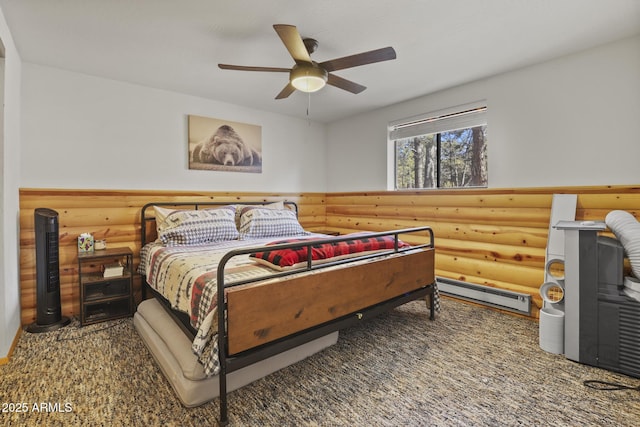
[171, 349]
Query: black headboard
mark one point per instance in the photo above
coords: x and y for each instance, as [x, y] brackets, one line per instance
[146, 218]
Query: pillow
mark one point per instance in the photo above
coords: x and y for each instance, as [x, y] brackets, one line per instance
[162, 214]
[193, 227]
[627, 230]
[258, 222]
[275, 205]
[283, 259]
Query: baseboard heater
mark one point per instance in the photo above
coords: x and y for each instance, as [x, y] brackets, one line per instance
[499, 298]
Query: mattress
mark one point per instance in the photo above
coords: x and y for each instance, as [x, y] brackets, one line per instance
[171, 349]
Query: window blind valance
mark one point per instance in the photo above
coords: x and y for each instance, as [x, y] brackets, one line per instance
[461, 117]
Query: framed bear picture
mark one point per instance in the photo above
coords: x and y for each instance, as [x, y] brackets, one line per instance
[223, 145]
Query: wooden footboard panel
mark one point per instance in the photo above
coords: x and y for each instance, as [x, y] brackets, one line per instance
[260, 313]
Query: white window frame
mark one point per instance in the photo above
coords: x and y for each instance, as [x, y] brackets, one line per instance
[459, 117]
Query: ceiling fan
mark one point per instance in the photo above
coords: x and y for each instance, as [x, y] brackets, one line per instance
[310, 76]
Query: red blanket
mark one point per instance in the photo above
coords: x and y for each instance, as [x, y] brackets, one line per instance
[282, 258]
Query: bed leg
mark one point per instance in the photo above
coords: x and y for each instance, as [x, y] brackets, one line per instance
[432, 304]
[224, 419]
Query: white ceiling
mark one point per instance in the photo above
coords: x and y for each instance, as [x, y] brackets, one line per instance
[176, 45]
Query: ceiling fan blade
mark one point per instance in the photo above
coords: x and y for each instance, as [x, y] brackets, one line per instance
[293, 42]
[378, 55]
[284, 93]
[345, 84]
[248, 68]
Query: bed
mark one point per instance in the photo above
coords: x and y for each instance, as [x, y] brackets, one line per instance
[284, 292]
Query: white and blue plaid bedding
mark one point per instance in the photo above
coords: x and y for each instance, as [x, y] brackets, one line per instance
[187, 277]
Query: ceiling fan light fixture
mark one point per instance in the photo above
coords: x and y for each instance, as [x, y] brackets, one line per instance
[308, 78]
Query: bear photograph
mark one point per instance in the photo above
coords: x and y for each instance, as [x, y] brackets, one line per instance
[223, 145]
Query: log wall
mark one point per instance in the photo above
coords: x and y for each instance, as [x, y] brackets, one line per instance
[114, 216]
[494, 237]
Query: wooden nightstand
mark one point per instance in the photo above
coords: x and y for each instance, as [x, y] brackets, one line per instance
[105, 298]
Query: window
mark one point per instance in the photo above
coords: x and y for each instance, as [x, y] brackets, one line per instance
[446, 149]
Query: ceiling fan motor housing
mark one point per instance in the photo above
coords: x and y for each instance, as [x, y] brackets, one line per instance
[310, 44]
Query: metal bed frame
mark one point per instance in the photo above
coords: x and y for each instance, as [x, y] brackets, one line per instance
[229, 363]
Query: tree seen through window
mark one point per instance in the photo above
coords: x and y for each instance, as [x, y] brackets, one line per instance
[451, 159]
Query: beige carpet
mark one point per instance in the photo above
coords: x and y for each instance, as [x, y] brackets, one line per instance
[470, 367]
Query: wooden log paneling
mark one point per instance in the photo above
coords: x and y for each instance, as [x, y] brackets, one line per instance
[494, 237]
[114, 215]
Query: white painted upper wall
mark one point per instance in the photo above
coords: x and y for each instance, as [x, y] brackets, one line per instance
[571, 121]
[80, 131]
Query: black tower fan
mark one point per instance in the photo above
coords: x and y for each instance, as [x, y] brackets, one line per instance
[49, 315]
